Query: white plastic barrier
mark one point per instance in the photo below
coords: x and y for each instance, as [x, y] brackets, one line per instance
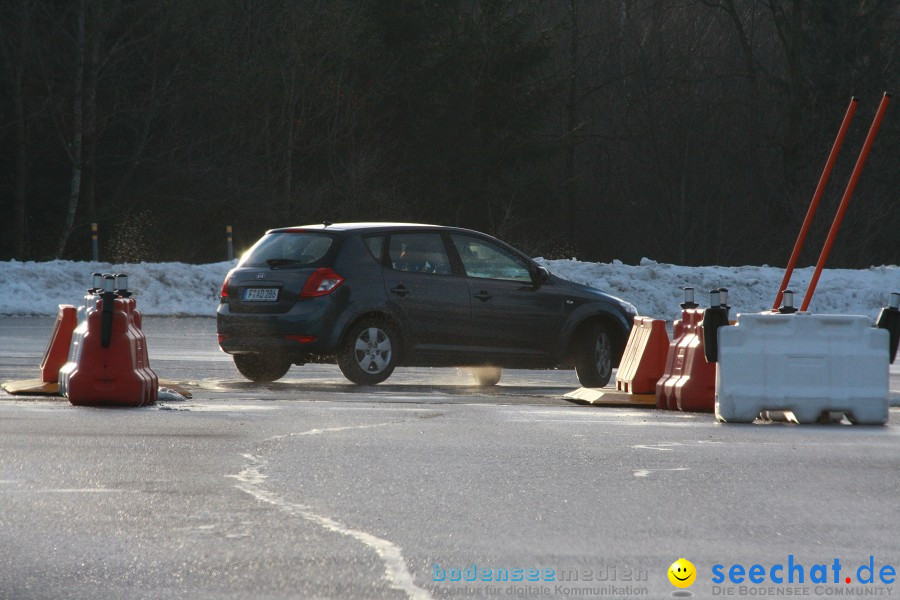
[803, 363]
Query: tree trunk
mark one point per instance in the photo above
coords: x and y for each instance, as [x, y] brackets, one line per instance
[77, 132]
[288, 109]
[90, 115]
[756, 105]
[793, 140]
[15, 57]
[19, 196]
[571, 126]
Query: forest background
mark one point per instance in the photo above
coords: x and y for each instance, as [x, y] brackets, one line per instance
[689, 131]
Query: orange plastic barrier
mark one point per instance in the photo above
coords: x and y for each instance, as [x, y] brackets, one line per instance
[662, 400]
[115, 374]
[644, 359]
[58, 349]
[688, 382]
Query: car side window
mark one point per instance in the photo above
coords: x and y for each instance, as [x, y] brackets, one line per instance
[375, 244]
[419, 253]
[485, 260]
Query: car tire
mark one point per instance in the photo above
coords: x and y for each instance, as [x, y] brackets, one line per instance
[369, 353]
[594, 355]
[261, 368]
[486, 376]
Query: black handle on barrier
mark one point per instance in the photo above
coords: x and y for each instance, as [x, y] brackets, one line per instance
[713, 318]
[108, 302]
[889, 318]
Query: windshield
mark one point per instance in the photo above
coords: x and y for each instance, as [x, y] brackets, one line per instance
[288, 249]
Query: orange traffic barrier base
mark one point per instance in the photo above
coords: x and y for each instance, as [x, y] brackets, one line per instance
[60, 340]
[109, 365]
[688, 382]
[54, 357]
[610, 397]
[644, 359]
[60, 346]
[36, 387]
[30, 387]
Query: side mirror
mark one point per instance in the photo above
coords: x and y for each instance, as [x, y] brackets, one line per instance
[540, 276]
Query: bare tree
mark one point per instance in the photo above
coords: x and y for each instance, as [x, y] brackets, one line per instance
[75, 145]
[14, 50]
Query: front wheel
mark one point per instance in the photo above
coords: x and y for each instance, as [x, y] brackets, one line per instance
[261, 368]
[594, 356]
[370, 353]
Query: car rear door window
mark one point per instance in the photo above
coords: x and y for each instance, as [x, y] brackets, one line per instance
[375, 244]
[484, 260]
[419, 253]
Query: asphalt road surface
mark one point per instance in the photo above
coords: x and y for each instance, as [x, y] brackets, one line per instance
[422, 487]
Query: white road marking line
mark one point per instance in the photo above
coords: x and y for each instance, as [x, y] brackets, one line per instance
[209, 407]
[398, 576]
[605, 421]
[332, 429]
[70, 491]
[646, 472]
[329, 406]
[251, 480]
[664, 447]
[567, 411]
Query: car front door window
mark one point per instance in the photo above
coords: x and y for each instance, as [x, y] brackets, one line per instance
[484, 260]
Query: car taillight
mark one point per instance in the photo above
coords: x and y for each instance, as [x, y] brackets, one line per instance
[321, 282]
[224, 292]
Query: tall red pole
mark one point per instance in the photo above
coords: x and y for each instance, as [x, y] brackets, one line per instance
[817, 196]
[845, 201]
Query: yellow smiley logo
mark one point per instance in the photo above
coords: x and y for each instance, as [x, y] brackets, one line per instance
[682, 573]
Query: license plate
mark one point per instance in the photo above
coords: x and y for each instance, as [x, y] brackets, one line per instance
[261, 295]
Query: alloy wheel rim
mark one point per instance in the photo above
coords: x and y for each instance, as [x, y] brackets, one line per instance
[602, 355]
[373, 350]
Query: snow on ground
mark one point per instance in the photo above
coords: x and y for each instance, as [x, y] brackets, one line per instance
[656, 288]
[36, 288]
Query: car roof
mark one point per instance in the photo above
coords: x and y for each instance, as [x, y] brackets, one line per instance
[367, 227]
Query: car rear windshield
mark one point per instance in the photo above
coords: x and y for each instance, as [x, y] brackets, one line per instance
[288, 249]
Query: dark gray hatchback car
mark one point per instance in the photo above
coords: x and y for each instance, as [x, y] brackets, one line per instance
[374, 296]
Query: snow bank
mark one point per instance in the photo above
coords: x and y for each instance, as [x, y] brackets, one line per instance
[36, 288]
[656, 288]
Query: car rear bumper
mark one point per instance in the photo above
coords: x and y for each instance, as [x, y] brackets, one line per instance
[302, 331]
[269, 345]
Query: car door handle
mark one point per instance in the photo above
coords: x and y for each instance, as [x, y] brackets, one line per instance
[400, 290]
[483, 296]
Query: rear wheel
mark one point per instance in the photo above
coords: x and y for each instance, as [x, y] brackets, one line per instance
[369, 354]
[261, 368]
[594, 356]
[486, 376]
